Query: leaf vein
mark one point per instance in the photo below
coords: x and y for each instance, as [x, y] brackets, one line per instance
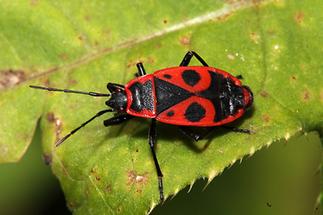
[224, 11]
[101, 196]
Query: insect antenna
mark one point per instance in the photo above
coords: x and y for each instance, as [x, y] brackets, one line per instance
[70, 91]
[59, 142]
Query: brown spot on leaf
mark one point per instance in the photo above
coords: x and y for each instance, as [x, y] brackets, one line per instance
[47, 158]
[234, 1]
[87, 17]
[264, 93]
[46, 82]
[224, 17]
[72, 81]
[255, 2]
[132, 63]
[71, 205]
[255, 37]
[299, 17]
[137, 179]
[10, 78]
[185, 40]
[57, 122]
[51, 117]
[63, 56]
[33, 2]
[95, 174]
[150, 60]
[165, 21]
[93, 171]
[80, 37]
[133, 177]
[293, 78]
[306, 95]
[108, 188]
[266, 118]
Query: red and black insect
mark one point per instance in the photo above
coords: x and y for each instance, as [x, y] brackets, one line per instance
[186, 96]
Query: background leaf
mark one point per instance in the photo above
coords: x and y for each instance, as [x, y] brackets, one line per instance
[274, 45]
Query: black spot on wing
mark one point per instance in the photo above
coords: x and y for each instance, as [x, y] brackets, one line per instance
[170, 113]
[168, 95]
[195, 112]
[167, 76]
[191, 77]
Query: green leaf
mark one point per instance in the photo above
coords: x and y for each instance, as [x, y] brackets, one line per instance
[275, 45]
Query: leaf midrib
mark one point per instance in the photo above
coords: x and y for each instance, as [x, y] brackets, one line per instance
[198, 20]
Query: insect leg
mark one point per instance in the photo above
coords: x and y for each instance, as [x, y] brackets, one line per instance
[195, 134]
[152, 141]
[239, 77]
[141, 69]
[82, 125]
[117, 120]
[240, 130]
[187, 58]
